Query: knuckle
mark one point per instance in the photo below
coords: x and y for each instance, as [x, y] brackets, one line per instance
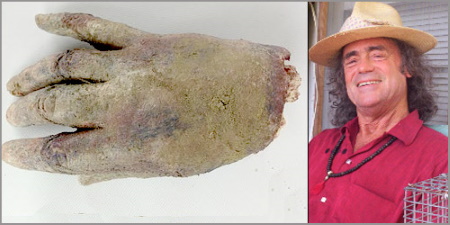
[66, 62]
[53, 154]
[57, 156]
[46, 104]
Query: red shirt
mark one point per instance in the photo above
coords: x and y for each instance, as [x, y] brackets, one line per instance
[374, 192]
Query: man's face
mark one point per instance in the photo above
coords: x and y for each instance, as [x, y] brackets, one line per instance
[372, 74]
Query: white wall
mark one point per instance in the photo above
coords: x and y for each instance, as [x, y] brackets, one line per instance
[266, 187]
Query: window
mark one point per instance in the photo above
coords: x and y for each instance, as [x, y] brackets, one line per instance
[432, 17]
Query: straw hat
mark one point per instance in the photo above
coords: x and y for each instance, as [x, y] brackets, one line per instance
[370, 20]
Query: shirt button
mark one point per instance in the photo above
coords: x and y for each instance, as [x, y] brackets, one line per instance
[323, 199]
[349, 161]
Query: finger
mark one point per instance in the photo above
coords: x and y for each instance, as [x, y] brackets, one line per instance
[73, 65]
[70, 153]
[70, 105]
[94, 30]
[90, 152]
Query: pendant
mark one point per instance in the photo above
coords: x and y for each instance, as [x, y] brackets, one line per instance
[319, 187]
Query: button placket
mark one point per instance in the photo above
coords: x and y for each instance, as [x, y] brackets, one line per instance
[343, 156]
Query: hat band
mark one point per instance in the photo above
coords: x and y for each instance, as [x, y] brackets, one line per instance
[354, 22]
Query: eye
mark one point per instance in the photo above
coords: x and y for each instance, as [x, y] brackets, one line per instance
[350, 61]
[378, 55]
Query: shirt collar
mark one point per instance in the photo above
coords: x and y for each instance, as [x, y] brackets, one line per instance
[406, 130]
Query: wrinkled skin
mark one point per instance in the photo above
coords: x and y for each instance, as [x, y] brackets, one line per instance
[147, 105]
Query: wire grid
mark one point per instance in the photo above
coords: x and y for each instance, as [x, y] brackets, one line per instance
[427, 201]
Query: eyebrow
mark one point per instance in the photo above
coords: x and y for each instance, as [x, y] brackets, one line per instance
[369, 49]
[349, 54]
[377, 47]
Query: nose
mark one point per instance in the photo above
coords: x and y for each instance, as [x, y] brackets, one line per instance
[365, 65]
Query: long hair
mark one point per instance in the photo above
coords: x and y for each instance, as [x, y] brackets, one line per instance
[419, 86]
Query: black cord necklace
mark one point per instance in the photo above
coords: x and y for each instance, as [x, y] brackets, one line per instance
[330, 173]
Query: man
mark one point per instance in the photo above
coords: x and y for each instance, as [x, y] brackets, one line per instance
[357, 173]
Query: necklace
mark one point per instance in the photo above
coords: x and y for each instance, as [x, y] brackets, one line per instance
[316, 189]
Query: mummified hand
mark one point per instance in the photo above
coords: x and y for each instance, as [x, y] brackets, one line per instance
[147, 105]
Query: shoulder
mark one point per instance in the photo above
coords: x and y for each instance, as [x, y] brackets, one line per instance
[431, 136]
[324, 137]
[432, 146]
[327, 133]
[442, 130]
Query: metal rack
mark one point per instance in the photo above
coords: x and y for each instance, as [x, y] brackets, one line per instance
[427, 201]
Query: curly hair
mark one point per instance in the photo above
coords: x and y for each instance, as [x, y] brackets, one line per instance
[419, 86]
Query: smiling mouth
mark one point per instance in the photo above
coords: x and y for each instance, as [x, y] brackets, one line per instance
[368, 83]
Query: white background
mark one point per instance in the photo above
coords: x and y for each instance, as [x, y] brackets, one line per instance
[269, 186]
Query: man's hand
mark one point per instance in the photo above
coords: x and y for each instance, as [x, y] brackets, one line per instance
[147, 105]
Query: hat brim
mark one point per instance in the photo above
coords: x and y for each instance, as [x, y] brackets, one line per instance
[324, 51]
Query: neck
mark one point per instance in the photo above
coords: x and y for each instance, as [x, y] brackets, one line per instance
[381, 123]
[374, 125]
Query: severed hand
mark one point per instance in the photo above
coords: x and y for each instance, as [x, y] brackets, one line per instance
[145, 104]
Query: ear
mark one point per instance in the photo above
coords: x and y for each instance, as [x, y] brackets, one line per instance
[406, 73]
